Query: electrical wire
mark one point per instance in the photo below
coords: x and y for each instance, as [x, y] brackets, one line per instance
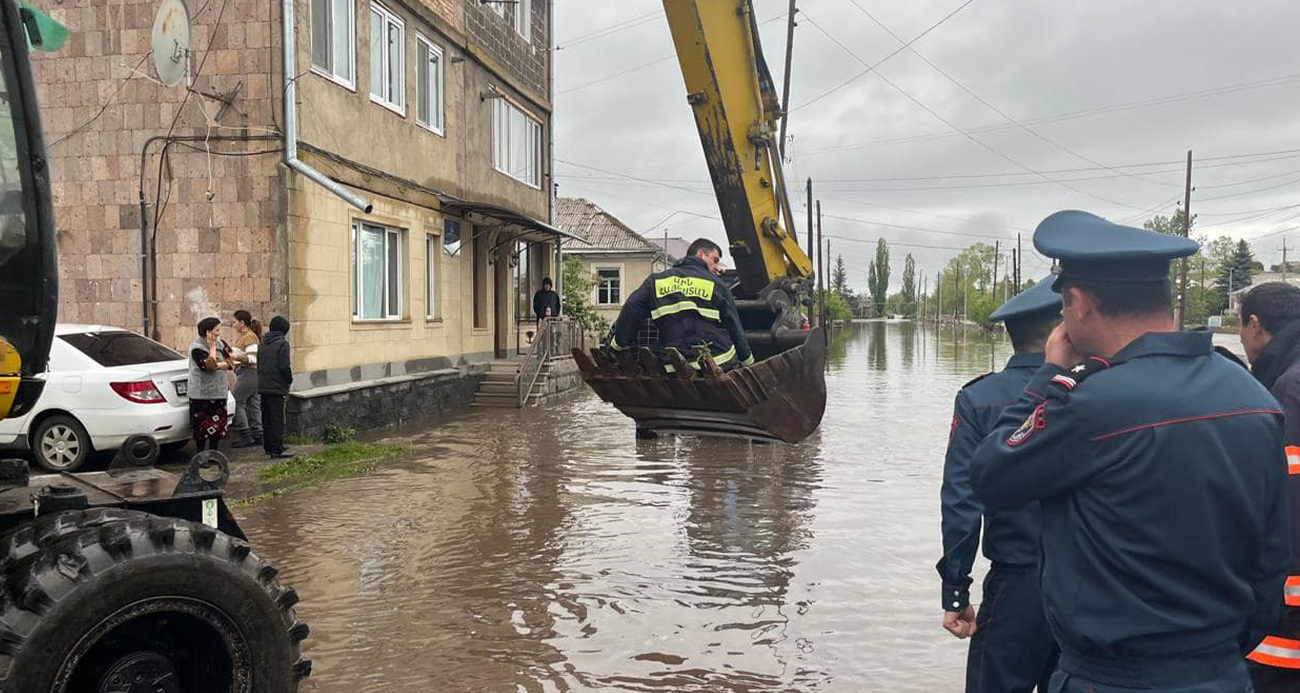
[1100, 110]
[608, 30]
[950, 124]
[108, 102]
[883, 60]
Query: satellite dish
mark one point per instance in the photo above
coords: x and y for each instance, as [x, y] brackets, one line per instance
[171, 42]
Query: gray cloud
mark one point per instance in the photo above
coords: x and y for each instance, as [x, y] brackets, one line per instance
[1032, 60]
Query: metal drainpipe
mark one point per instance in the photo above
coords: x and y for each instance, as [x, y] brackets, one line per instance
[291, 118]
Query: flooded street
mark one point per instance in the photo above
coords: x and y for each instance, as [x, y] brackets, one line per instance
[547, 550]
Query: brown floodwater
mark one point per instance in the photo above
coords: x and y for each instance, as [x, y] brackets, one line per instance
[548, 550]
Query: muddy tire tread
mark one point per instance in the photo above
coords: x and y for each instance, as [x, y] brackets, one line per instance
[44, 561]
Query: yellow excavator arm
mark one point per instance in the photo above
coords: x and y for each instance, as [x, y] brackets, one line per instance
[737, 114]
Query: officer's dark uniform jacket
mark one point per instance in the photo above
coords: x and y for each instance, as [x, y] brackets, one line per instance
[1278, 368]
[691, 307]
[1161, 478]
[1010, 536]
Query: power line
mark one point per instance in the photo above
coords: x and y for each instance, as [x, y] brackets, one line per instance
[950, 124]
[108, 102]
[883, 60]
[1100, 110]
[992, 107]
[608, 30]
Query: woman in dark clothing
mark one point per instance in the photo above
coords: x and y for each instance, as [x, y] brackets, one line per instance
[274, 376]
[209, 362]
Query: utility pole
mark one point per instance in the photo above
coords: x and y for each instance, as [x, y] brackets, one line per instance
[821, 278]
[1284, 258]
[1020, 256]
[938, 304]
[1187, 225]
[997, 255]
[810, 224]
[785, 89]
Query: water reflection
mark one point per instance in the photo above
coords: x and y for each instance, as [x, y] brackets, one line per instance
[547, 550]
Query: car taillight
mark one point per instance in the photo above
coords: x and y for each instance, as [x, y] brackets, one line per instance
[140, 392]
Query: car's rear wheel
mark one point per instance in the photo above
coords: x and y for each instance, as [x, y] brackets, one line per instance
[61, 444]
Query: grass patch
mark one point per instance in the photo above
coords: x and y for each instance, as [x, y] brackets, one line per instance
[299, 440]
[332, 462]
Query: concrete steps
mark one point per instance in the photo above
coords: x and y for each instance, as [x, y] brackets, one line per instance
[499, 388]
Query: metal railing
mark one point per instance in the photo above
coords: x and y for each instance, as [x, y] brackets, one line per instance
[555, 337]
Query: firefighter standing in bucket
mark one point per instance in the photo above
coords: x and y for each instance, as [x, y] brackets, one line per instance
[692, 309]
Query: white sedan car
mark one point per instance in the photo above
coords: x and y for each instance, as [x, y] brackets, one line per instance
[104, 384]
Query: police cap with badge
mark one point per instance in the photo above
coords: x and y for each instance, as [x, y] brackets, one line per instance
[1087, 247]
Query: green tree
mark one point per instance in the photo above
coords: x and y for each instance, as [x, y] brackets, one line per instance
[980, 307]
[878, 277]
[840, 277]
[1236, 271]
[837, 307]
[909, 287]
[574, 303]
[1172, 224]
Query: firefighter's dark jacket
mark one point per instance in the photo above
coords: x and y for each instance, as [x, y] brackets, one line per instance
[1278, 368]
[690, 307]
[1162, 481]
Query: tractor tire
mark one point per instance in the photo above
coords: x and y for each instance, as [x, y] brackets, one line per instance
[31, 537]
[138, 602]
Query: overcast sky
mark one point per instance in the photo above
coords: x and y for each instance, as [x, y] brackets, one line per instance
[1057, 101]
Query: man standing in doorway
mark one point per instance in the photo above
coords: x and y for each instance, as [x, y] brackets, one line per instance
[1270, 333]
[1160, 471]
[1011, 648]
[546, 303]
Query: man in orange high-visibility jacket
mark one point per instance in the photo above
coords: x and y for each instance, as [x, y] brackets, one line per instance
[1270, 332]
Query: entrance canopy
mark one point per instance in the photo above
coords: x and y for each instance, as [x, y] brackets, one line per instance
[526, 228]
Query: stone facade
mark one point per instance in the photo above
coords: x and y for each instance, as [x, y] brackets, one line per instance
[101, 106]
[384, 403]
[236, 229]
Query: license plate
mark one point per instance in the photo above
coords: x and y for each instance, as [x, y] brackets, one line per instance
[182, 387]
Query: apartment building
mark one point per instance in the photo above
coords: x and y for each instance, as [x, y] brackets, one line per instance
[174, 203]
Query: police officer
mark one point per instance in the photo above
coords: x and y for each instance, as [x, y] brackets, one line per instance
[692, 309]
[1011, 647]
[1160, 471]
[1270, 333]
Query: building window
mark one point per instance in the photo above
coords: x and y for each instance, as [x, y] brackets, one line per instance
[333, 37]
[498, 6]
[428, 84]
[450, 236]
[609, 286]
[516, 143]
[376, 271]
[524, 19]
[432, 249]
[387, 46]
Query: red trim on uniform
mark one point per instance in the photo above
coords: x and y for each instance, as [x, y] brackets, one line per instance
[1287, 657]
[1104, 362]
[1031, 393]
[1188, 419]
[1293, 459]
[1067, 382]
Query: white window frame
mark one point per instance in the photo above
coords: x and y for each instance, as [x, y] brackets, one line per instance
[437, 123]
[329, 72]
[501, 154]
[524, 19]
[391, 236]
[498, 6]
[600, 286]
[432, 297]
[386, 69]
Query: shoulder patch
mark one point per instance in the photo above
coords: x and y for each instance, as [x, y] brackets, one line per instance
[1227, 354]
[1036, 421]
[1080, 371]
[976, 379]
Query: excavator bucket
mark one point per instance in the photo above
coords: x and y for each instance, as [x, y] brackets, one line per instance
[779, 398]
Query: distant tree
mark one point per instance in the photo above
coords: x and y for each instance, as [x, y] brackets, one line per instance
[837, 307]
[1236, 271]
[840, 277]
[575, 303]
[1172, 224]
[909, 286]
[878, 277]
